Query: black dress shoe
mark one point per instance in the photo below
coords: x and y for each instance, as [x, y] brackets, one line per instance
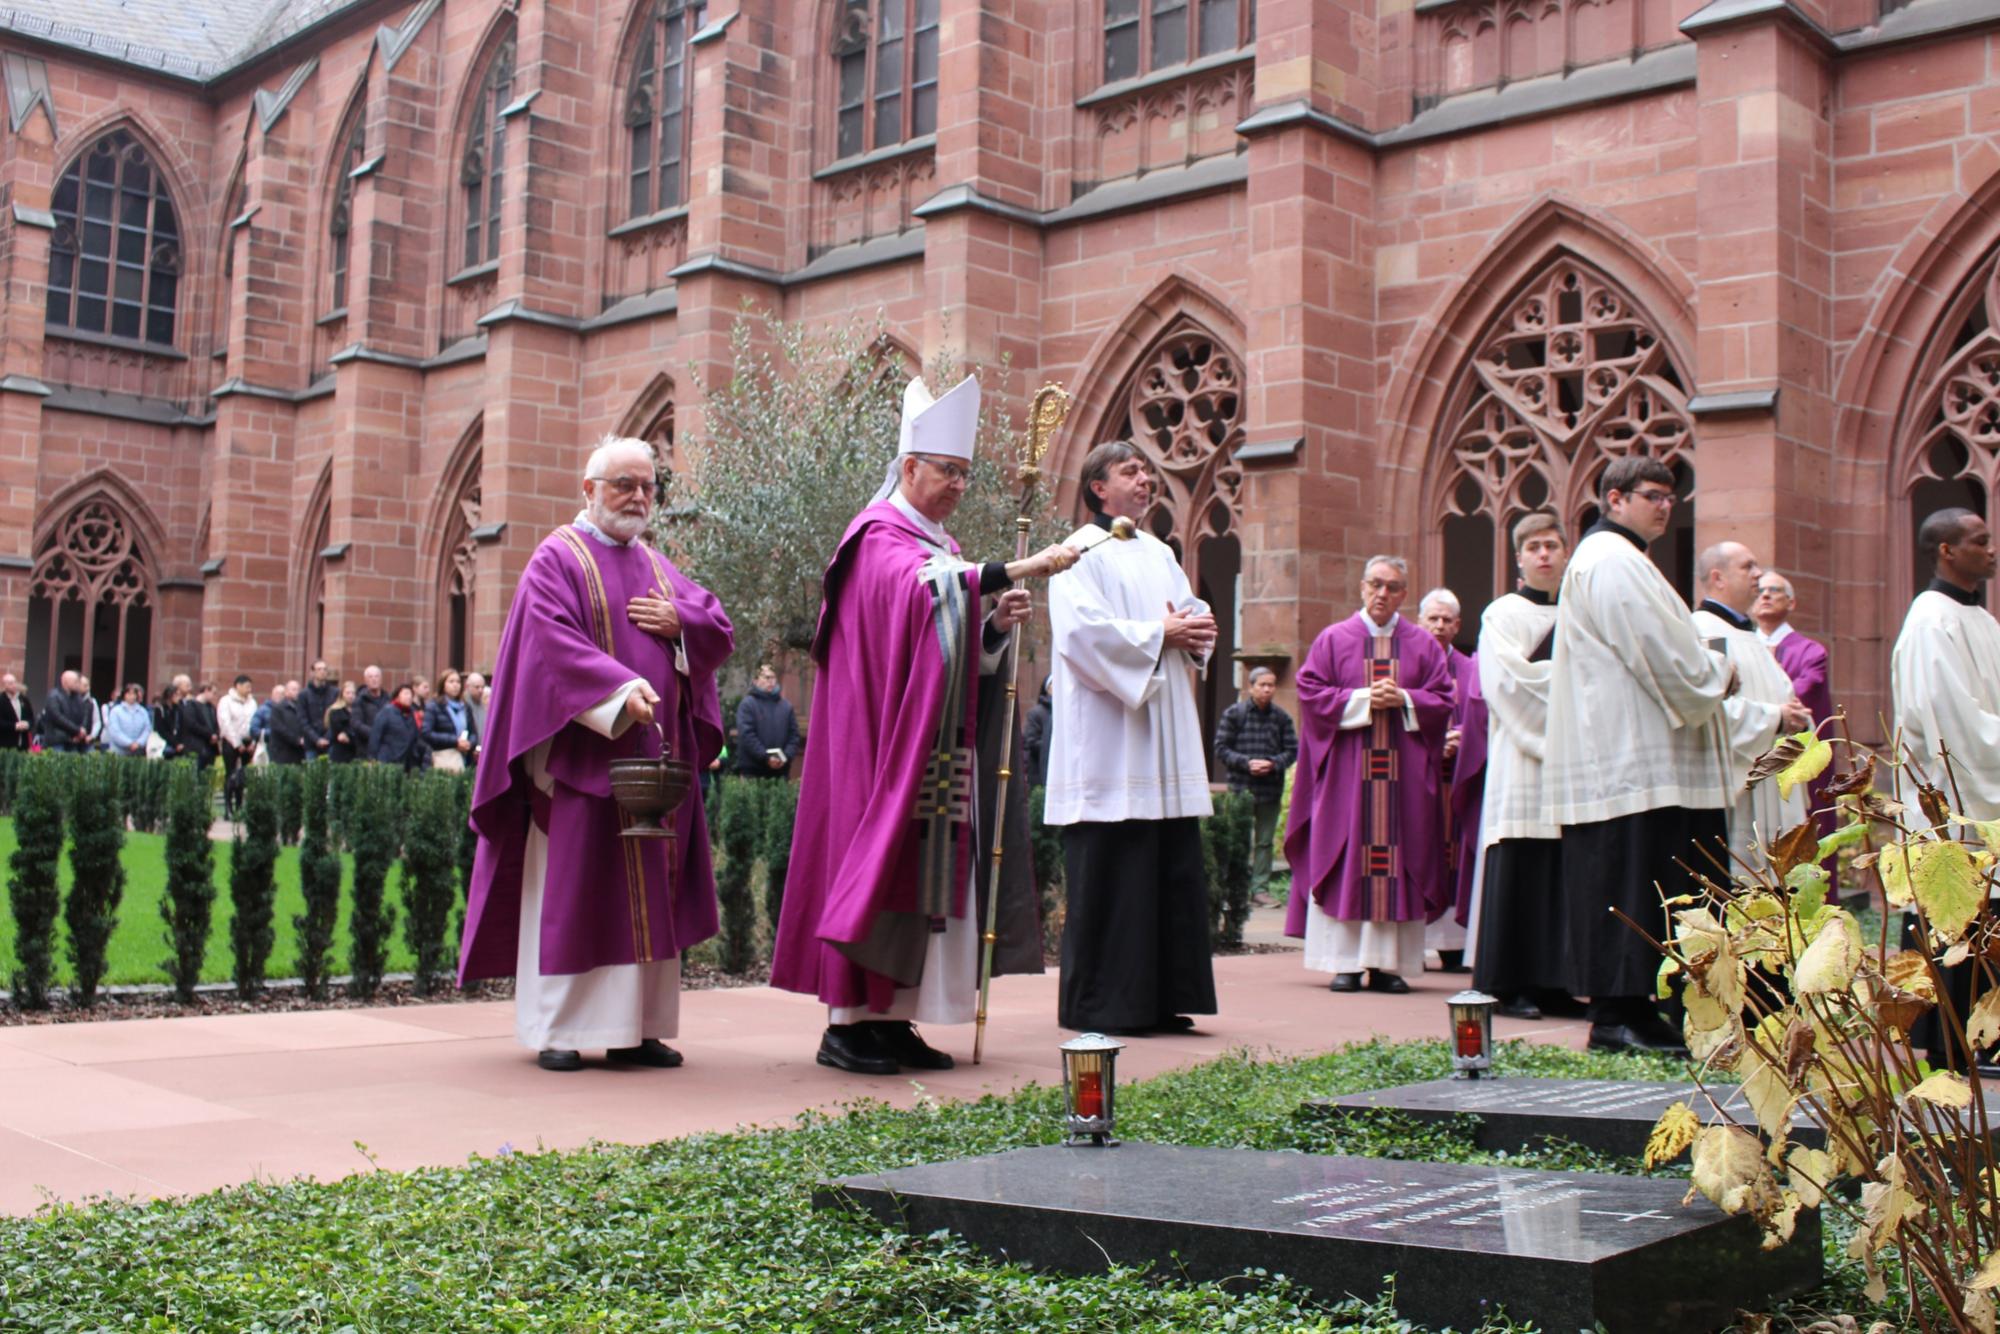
[565, 1061]
[1630, 1037]
[1391, 983]
[1173, 1023]
[651, 1052]
[898, 1037]
[1452, 961]
[1518, 1007]
[1345, 982]
[851, 1047]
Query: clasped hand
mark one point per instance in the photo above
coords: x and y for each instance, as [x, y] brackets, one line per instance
[656, 616]
[1385, 694]
[1190, 631]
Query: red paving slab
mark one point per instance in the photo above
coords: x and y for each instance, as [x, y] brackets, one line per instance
[168, 1106]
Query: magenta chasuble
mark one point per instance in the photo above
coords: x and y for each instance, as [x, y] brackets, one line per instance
[569, 644]
[1366, 834]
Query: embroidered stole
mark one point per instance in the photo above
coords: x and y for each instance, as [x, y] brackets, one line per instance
[1382, 870]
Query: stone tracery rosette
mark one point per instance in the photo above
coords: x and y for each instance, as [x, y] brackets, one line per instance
[1953, 431]
[1570, 376]
[1184, 411]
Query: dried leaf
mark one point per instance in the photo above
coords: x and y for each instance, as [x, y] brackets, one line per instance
[1729, 1168]
[1931, 802]
[1663, 986]
[1795, 847]
[1980, 1313]
[1909, 970]
[1772, 761]
[1809, 1172]
[1855, 781]
[1988, 1276]
[1865, 861]
[1945, 1089]
[1812, 760]
[1829, 962]
[1957, 954]
[1672, 1133]
[1798, 1050]
[1764, 1087]
[1982, 1026]
[1783, 1221]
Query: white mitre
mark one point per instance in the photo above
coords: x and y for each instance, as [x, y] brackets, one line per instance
[944, 426]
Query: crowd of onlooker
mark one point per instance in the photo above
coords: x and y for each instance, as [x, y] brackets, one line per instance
[419, 723]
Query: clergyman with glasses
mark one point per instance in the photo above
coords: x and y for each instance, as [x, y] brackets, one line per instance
[880, 909]
[1635, 766]
[1366, 835]
[608, 650]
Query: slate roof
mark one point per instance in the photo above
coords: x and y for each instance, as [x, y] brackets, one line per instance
[191, 39]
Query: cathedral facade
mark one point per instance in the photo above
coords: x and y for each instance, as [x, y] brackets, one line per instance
[312, 306]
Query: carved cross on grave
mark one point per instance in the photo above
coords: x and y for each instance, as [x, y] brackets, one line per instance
[1624, 1217]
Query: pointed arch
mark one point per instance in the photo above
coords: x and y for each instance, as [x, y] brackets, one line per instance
[225, 256]
[348, 151]
[651, 419]
[479, 139]
[454, 520]
[118, 252]
[94, 588]
[656, 106]
[310, 543]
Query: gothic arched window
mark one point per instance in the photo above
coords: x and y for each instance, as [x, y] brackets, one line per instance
[1569, 375]
[458, 574]
[90, 603]
[115, 255]
[656, 107]
[481, 173]
[1143, 35]
[885, 55]
[340, 218]
[1951, 454]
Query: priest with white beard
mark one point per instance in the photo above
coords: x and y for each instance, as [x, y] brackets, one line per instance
[1633, 769]
[1518, 924]
[1761, 711]
[1945, 671]
[1128, 773]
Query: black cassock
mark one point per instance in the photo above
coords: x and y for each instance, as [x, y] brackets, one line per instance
[1626, 864]
[1135, 944]
[1523, 930]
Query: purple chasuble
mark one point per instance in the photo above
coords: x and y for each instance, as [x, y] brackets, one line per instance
[1467, 794]
[1805, 661]
[569, 644]
[881, 853]
[1366, 835]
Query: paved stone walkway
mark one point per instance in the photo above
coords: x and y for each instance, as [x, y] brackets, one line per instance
[172, 1106]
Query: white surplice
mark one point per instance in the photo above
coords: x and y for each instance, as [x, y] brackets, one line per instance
[1634, 695]
[1945, 678]
[1125, 736]
[1751, 719]
[1517, 716]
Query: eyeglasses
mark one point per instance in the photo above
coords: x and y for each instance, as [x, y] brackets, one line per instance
[954, 473]
[1654, 496]
[1383, 586]
[625, 486]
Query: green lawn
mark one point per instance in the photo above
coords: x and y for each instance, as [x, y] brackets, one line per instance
[717, 1232]
[139, 947]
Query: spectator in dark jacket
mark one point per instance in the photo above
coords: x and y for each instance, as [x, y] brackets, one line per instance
[199, 730]
[368, 702]
[1256, 742]
[1035, 741]
[64, 721]
[398, 737]
[314, 699]
[767, 731]
[167, 724]
[343, 743]
[17, 715]
[448, 721]
[285, 738]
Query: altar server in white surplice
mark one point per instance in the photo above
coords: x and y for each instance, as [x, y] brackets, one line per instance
[1517, 916]
[1128, 773]
[1633, 768]
[1945, 672]
[1763, 707]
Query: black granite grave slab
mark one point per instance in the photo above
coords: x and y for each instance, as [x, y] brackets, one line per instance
[1561, 1249]
[1516, 1112]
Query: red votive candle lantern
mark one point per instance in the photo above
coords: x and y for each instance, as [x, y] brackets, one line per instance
[1471, 1034]
[1090, 1089]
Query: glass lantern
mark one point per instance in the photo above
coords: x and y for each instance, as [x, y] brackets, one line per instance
[1471, 1034]
[1089, 1066]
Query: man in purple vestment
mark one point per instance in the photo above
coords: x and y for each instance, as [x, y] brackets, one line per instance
[879, 918]
[608, 652]
[1366, 838]
[1463, 773]
[1805, 662]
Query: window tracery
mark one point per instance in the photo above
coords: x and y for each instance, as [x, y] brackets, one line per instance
[885, 55]
[481, 169]
[1951, 450]
[115, 253]
[657, 118]
[90, 602]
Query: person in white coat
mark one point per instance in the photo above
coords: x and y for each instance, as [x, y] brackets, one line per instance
[1763, 708]
[1128, 773]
